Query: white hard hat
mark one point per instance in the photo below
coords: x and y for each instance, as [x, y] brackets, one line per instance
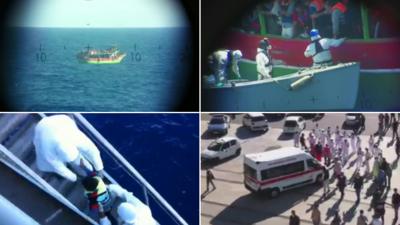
[237, 54]
[126, 212]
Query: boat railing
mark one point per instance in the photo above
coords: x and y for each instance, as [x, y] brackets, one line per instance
[149, 193]
[22, 169]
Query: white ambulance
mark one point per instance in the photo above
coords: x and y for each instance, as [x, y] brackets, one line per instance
[280, 170]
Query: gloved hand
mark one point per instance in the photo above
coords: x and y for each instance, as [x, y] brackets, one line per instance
[105, 221]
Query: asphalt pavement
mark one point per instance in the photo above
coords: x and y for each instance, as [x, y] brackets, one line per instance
[231, 203]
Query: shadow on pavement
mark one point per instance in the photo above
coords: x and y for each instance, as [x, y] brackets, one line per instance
[285, 137]
[209, 164]
[274, 117]
[244, 133]
[253, 208]
[207, 135]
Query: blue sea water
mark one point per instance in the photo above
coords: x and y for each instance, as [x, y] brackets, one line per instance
[164, 148]
[47, 75]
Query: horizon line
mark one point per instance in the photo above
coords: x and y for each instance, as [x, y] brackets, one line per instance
[16, 26]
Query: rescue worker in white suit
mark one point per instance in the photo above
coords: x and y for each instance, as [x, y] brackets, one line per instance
[224, 61]
[59, 143]
[106, 199]
[264, 60]
[318, 49]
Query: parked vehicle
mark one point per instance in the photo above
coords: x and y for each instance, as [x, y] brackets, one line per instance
[294, 124]
[353, 119]
[280, 170]
[222, 148]
[255, 121]
[219, 124]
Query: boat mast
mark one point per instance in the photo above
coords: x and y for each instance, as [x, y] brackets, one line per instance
[364, 20]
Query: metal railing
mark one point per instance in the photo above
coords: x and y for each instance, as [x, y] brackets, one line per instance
[148, 190]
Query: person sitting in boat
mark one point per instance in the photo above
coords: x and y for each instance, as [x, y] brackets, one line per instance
[104, 199]
[59, 143]
[264, 59]
[318, 49]
[225, 62]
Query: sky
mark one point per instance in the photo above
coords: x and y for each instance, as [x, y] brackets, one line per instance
[101, 13]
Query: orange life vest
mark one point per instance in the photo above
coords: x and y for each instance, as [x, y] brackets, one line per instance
[339, 6]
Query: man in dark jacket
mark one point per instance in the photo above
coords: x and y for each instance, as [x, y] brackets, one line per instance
[396, 203]
[294, 219]
[209, 180]
[341, 184]
[358, 184]
[395, 127]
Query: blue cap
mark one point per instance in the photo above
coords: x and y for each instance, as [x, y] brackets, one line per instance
[314, 33]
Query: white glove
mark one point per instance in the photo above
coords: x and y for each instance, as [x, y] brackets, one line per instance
[105, 221]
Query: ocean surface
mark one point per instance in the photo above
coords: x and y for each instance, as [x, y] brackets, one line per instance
[47, 76]
[164, 148]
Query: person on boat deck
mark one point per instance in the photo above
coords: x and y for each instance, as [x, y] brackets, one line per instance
[59, 143]
[318, 49]
[105, 200]
[223, 62]
[284, 10]
[316, 11]
[264, 59]
[337, 10]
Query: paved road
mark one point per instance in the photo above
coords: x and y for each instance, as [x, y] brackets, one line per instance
[328, 119]
[232, 204]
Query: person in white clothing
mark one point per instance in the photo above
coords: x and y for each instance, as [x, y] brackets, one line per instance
[368, 156]
[353, 143]
[345, 151]
[318, 49]
[264, 60]
[59, 142]
[359, 159]
[296, 139]
[104, 199]
[371, 143]
[376, 220]
[358, 142]
[131, 211]
[317, 131]
[224, 61]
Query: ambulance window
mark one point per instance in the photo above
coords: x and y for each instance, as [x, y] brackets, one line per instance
[311, 163]
[282, 170]
[248, 171]
[233, 142]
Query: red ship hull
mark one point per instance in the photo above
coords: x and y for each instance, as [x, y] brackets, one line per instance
[372, 54]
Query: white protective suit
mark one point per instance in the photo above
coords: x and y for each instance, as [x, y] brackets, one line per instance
[142, 211]
[325, 55]
[58, 141]
[221, 64]
[264, 66]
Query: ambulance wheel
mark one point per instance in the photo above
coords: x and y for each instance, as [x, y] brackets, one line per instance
[274, 192]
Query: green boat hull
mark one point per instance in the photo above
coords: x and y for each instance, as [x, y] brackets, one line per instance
[378, 89]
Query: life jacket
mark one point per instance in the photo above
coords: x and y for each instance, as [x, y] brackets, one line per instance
[269, 58]
[318, 47]
[319, 4]
[98, 196]
[229, 58]
[339, 6]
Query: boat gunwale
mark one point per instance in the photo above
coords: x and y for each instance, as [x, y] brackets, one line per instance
[297, 74]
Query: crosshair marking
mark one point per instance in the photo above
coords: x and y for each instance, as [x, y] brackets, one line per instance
[313, 99]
